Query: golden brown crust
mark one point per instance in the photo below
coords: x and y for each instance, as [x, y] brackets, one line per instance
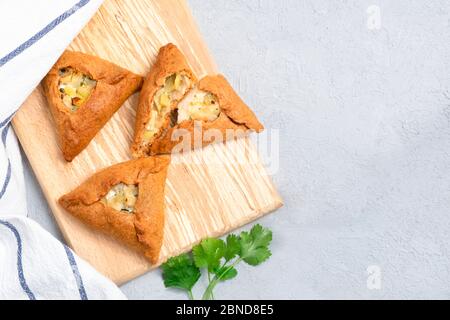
[235, 116]
[114, 86]
[170, 60]
[141, 230]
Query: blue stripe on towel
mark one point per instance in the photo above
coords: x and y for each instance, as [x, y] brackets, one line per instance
[7, 120]
[22, 280]
[42, 32]
[76, 273]
[8, 170]
[6, 181]
[4, 134]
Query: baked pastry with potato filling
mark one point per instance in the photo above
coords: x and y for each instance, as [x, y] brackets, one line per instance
[198, 105]
[125, 201]
[174, 88]
[172, 102]
[75, 88]
[83, 93]
[166, 84]
[122, 197]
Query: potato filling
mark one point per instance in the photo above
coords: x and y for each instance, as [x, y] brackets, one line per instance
[198, 105]
[75, 88]
[175, 87]
[122, 197]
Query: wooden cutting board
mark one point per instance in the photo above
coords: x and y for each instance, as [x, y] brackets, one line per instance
[208, 192]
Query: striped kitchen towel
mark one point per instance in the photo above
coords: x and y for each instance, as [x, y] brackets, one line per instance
[33, 264]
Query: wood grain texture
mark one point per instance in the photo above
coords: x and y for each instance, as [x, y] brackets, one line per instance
[209, 192]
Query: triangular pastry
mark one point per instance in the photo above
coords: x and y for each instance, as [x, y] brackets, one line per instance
[83, 93]
[211, 103]
[211, 112]
[125, 201]
[168, 81]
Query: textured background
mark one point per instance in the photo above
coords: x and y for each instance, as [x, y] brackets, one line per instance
[360, 93]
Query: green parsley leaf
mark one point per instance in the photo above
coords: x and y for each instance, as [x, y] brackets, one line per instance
[254, 245]
[233, 247]
[208, 253]
[180, 272]
[225, 274]
[217, 256]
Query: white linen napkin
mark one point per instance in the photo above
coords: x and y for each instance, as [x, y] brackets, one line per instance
[35, 265]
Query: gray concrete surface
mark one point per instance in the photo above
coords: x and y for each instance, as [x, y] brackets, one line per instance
[360, 91]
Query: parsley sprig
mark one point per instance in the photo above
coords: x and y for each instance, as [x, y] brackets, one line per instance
[219, 258]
